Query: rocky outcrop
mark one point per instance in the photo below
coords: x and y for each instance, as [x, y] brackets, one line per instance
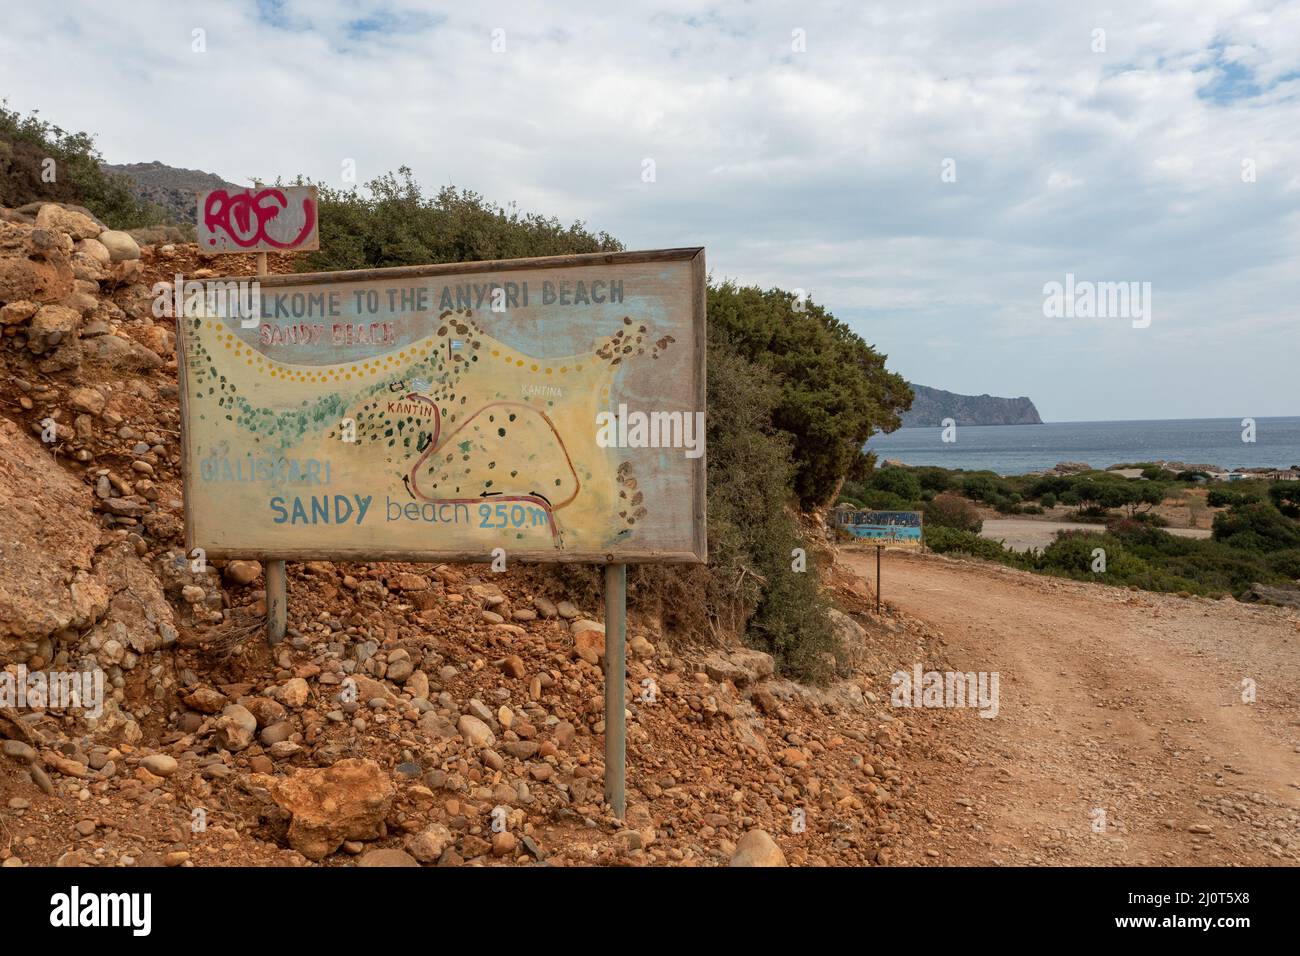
[347, 801]
[932, 405]
[1281, 597]
[174, 190]
[757, 848]
[46, 578]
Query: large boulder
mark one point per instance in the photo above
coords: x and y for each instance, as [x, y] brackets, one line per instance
[139, 616]
[588, 640]
[52, 325]
[46, 581]
[76, 224]
[119, 244]
[742, 666]
[55, 335]
[16, 313]
[1264, 594]
[34, 265]
[757, 848]
[848, 632]
[117, 351]
[95, 250]
[346, 801]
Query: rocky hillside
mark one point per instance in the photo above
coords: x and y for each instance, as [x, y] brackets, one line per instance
[414, 715]
[173, 190]
[933, 405]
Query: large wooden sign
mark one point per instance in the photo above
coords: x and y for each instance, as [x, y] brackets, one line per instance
[258, 219]
[553, 408]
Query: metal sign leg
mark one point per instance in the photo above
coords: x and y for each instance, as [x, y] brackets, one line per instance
[276, 602]
[615, 683]
[878, 550]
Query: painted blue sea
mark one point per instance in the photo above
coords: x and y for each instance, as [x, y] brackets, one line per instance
[1017, 449]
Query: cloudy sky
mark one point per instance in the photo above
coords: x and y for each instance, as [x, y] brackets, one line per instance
[922, 168]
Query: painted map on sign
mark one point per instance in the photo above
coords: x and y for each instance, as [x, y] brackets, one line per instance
[554, 412]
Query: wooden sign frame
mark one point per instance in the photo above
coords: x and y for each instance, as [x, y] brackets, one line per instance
[698, 553]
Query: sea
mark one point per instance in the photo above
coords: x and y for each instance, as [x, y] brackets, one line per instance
[1018, 449]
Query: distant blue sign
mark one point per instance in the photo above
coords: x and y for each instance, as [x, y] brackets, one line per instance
[897, 528]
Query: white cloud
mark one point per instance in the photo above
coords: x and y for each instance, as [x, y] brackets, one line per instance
[819, 170]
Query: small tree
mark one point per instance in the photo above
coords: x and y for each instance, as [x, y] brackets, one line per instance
[951, 511]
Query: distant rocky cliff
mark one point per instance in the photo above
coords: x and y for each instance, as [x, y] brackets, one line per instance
[933, 405]
[175, 190]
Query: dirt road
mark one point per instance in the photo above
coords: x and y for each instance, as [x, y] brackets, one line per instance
[1121, 737]
[1021, 534]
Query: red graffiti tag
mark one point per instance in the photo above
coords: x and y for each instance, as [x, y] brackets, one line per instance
[243, 217]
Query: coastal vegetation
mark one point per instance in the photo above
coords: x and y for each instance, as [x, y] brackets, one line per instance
[1255, 537]
[41, 161]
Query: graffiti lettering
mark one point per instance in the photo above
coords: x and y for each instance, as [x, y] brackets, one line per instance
[243, 217]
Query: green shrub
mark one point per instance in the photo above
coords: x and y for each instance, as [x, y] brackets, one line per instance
[1285, 563]
[835, 390]
[934, 478]
[944, 540]
[901, 482]
[875, 500]
[1227, 498]
[1285, 496]
[27, 141]
[1256, 526]
[1047, 500]
[951, 511]
[749, 461]
[392, 223]
[1049, 484]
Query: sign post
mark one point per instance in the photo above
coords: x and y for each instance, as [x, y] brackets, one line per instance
[256, 220]
[277, 579]
[616, 687]
[893, 529]
[879, 548]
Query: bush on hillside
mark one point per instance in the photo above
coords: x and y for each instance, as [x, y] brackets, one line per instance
[1257, 526]
[1285, 563]
[392, 223]
[1285, 496]
[900, 482]
[1227, 498]
[874, 500]
[944, 540]
[836, 391]
[26, 142]
[951, 511]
